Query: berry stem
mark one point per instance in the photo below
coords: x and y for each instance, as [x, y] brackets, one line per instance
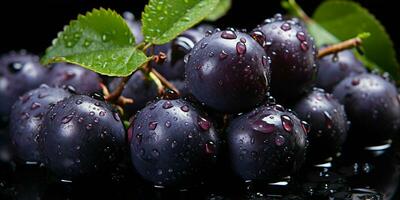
[164, 81]
[114, 96]
[348, 44]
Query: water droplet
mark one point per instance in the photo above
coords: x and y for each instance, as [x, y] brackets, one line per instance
[204, 124]
[304, 46]
[287, 123]
[279, 140]
[328, 120]
[173, 144]
[89, 126]
[43, 95]
[96, 120]
[264, 60]
[91, 113]
[153, 125]
[102, 113]
[185, 108]
[243, 40]
[116, 117]
[186, 58]
[286, 26]
[355, 81]
[252, 140]
[155, 153]
[80, 120]
[223, 55]
[279, 107]
[301, 36]
[211, 54]
[259, 37]
[305, 126]
[210, 148]
[228, 34]
[263, 127]
[78, 102]
[139, 138]
[240, 48]
[104, 38]
[168, 124]
[67, 119]
[167, 105]
[35, 105]
[203, 45]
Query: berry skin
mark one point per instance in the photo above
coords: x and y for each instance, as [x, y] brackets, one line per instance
[81, 136]
[372, 105]
[266, 144]
[292, 54]
[139, 89]
[19, 73]
[173, 68]
[327, 123]
[228, 71]
[26, 118]
[172, 144]
[84, 81]
[334, 68]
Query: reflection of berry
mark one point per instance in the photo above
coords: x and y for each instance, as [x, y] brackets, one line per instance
[266, 144]
[172, 144]
[372, 105]
[292, 53]
[328, 122]
[228, 71]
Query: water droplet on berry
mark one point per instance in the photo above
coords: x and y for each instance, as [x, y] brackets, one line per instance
[301, 36]
[89, 126]
[153, 125]
[279, 140]
[67, 119]
[185, 108]
[304, 46]
[168, 124]
[228, 34]
[167, 105]
[328, 120]
[240, 48]
[287, 123]
[263, 126]
[116, 117]
[223, 55]
[305, 126]
[35, 105]
[210, 148]
[204, 124]
[286, 26]
[355, 81]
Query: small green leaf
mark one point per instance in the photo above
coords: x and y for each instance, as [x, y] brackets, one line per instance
[100, 41]
[219, 11]
[346, 19]
[163, 20]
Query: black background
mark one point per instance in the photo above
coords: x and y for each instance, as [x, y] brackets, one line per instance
[32, 24]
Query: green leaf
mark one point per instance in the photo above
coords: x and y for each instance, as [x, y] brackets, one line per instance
[100, 41]
[163, 20]
[346, 19]
[219, 11]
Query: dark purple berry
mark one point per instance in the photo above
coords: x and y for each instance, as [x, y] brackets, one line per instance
[327, 121]
[26, 120]
[172, 144]
[372, 105]
[84, 81]
[138, 88]
[226, 71]
[335, 67]
[266, 144]
[81, 137]
[292, 54]
[19, 73]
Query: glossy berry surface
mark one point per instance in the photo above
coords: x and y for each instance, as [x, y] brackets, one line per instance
[372, 105]
[266, 144]
[334, 68]
[228, 71]
[19, 73]
[26, 119]
[172, 144]
[138, 88]
[327, 124]
[84, 81]
[173, 68]
[81, 136]
[292, 54]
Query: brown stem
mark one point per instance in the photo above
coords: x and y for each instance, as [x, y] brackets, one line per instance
[164, 81]
[348, 44]
[118, 91]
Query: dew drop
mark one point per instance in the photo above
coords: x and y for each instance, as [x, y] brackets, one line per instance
[204, 124]
[210, 148]
[155, 153]
[263, 127]
[35, 105]
[67, 119]
[328, 120]
[286, 26]
[355, 81]
[102, 113]
[259, 37]
[78, 102]
[287, 123]
[168, 124]
[264, 60]
[185, 108]
[167, 105]
[305, 126]
[279, 140]
[223, 55]
[301, 36]
[89, 126]
[203, 45]
[243, 40]
[153, 125]
[116, 117]
[240, 48]
[228, 34]
[304, 46]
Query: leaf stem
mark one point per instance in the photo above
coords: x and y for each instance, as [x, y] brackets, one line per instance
[348, 44]
[293, 8]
